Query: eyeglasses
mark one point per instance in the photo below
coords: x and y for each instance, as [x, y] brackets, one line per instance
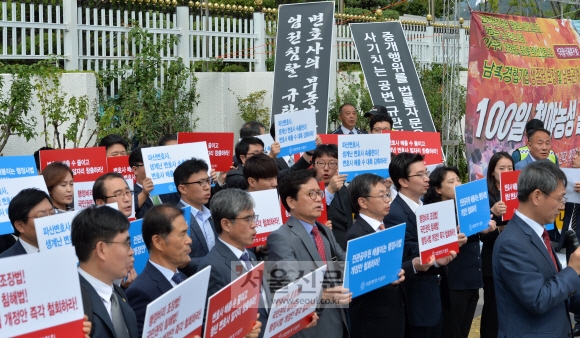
[126, 193]
[127, 244]
[322, 165]
[421, 174]
[562, 201]
[202, 183]
[43, 213]
[314, 193]
[385, 197]
[250, 219]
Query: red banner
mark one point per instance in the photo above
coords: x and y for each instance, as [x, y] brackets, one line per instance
[231, 312]
[220, 147]
[427, 143]
[68, 330]
[87, 164]
[120, 164]
[508, 187]
[329, 138]
[520, 68]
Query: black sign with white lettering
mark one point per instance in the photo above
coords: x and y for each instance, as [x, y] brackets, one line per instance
[302, 68]
[390, 74]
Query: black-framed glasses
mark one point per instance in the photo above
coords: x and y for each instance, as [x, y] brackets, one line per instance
[202, 183]
[421, 174]
[43, 213]
[249, 219]
[127, 243]
[562, 201]
[322, 165]
[313, 194]
[385, 197]
[119, 194]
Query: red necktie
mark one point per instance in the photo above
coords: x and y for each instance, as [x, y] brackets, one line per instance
[546, 238]
[381, 226]
[319, 243]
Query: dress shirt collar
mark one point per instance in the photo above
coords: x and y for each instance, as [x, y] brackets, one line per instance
[414, 206]
[371, 221]
[237, 252]
[306, 225]
[203, 214]
[103, 290]
[29, 248]
[346, 131]
[168, 274]
[537, 227]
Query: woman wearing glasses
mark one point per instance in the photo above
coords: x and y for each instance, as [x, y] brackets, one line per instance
[60, 184]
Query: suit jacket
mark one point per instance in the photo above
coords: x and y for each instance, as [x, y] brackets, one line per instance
[15, 250]
[339, 131]
[198, 244]
[489, 239]
[100, 318]
[171, 198]
[291, 249]
[568, 209]
[147, 287]
[426, 294]
[6, 242]
[340, 213]
[220, 258]
[381, 310]
[533, 299]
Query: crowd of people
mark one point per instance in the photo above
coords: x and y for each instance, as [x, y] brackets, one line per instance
[526, 290]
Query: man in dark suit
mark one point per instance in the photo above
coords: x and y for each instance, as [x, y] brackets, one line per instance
[534, 294]
[165, 236]
[381, 310]
[102, 243]
[144, 185]
[427, 293]
[112, 187]
[233, 210]
[339, 212]
[348, 115]
[193, 185]
[26, 206]
[303, 245]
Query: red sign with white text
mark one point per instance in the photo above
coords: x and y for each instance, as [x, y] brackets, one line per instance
[427, 144]
[231, 312]
[220, 147]
[329, 138]
[323, 216]
[87, 164]
[508, 187]
[120, 164]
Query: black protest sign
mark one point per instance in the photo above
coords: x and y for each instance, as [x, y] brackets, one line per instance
[390, 74]
[302, 68]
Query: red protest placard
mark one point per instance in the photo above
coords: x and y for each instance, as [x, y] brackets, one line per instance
[231, 312]
[508, 187]
[87, 164]
[329, 138]
[323, 216]
[220, 147]
[426, 143]
[120, 164]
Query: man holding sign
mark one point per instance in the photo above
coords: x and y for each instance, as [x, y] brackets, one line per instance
[23, 209]
[166, 239]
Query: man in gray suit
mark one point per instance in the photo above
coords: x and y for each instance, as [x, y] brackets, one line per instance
[302, 245]
[194, 186]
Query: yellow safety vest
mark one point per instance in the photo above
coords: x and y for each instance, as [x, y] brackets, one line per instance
[525, 151]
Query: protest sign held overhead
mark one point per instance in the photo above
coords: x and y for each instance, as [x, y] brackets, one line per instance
[53, 232]
[17, 166]
[120, 165]
[220, 147]
[270, 219]
[360, 154]
[508, 188]
[10, 188]
[472, 205]
[296, 132]
[87, 164]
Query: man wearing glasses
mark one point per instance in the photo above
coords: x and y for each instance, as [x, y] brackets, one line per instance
[194, 187]
[325, 162]
[111, 188]
[303, 245]
[24, 208]
[424, 298]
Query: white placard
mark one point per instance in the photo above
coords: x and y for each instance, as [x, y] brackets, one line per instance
[268, 140]
[160, 162]
[293, 303]
[364, 153]
[267, 207]
[296, 131]
[43, 292]
[179, 310]
[83, 193]
[53, 232]
[436, 230]
[10, 188]
[573, 176]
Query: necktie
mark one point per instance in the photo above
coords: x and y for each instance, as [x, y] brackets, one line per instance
[156, 200]
[546, 238]
[246, 259]
[382, 227]
[117, 317]
[207, 231]
[574, 217]
[319, 242]
[177, 278]
[351, 132]
[290, 161]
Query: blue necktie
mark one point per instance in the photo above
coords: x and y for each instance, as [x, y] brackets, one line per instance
[246, 259]
[177, 278]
